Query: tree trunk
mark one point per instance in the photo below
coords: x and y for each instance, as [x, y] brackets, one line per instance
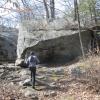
[78, 18]
[95, 16]
[75, 10]
[46, 9]
[52, 9]
[90, 9]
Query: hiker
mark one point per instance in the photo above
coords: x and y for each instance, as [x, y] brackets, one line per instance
[32, 61]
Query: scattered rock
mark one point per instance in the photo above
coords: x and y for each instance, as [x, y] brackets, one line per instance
[20, 83]
[53, 85]
[51, 93]
[12, 66]
[20, 62]
[76, 72]
[57, 71]
[24, 72]
[46, 94]
[11, 84]
[1, 70]
[41, 77]
[27, 82]
[34, 97]
[31, 93]
[1, 74]
[70, 68]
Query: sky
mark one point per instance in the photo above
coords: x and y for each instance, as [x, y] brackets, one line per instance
[9, 15]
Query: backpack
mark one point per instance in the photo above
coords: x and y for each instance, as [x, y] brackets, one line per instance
[32, 61]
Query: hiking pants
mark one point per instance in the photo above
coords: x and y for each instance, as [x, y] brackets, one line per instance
[33, 73]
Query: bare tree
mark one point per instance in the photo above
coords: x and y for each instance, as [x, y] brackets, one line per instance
[52, 9]
[46, 9]
[75, 10]
[78, 18]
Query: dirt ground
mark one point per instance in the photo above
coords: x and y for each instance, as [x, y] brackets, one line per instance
[53, 83]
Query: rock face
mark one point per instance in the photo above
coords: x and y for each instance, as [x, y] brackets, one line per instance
[8, 43]
[55, 41]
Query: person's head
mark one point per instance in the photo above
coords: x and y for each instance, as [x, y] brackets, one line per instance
[32, 53]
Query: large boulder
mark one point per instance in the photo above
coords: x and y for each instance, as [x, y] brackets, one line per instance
[8, 43]
[54, 41]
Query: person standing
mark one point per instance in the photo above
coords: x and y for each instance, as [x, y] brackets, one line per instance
[32, 61]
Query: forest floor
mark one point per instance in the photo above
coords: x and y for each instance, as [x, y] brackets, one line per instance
[75, 81]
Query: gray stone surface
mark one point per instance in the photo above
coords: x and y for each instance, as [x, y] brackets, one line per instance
[30, 93]
[24, 72]
[1, 71]
[76, 72]
[27, 82]
[55, 71]
[19, 62]
[51, 41]
[8, 43]
[50, 93]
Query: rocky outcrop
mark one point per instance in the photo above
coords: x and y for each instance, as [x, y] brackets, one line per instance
[8, 43]
[55, 41]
